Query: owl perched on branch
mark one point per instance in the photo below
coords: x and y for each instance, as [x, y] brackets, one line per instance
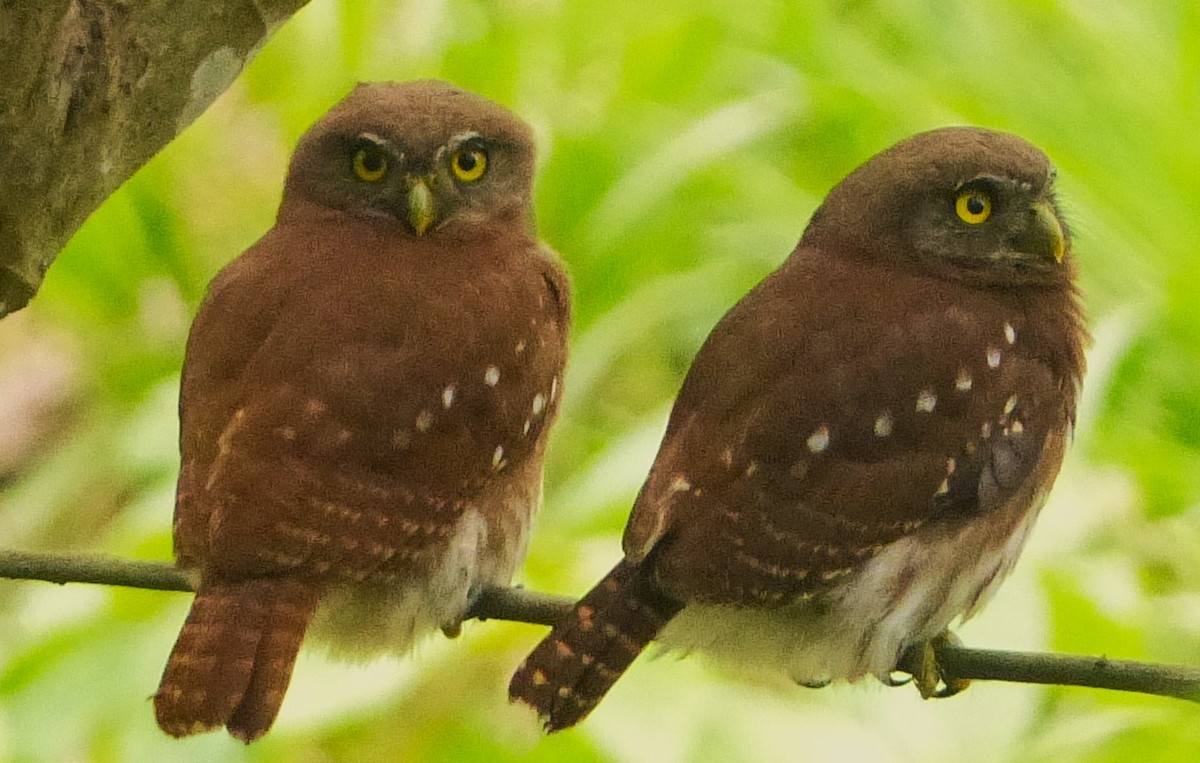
[365, 401]
[861, 446]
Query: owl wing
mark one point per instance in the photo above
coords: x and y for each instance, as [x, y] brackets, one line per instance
[811, 433]
[238, 313]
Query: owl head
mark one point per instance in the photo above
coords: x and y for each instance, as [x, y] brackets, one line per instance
[433, 159]
[959, 203]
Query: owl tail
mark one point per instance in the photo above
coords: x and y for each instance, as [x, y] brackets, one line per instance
[233, 659]
[567, 675]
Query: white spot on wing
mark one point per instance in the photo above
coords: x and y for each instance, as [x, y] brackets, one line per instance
[539, 404]
[554, 389]
[491, 376]
[680, 484]
[498, 458]
[963, 381]
[315, 407]
[993, 357]
[818, 441]
[926, 401]
[883, 424]
[1010, 405]
[1010, 334]
[424, 421]
[448, 396]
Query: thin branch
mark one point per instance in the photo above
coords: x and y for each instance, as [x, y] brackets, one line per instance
[520, 605]
[92, 568]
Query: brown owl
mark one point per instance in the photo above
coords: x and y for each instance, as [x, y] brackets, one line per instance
[860, 448]
[365, 401]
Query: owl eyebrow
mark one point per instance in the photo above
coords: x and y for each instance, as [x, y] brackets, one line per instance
[370, 137]
[464, 137]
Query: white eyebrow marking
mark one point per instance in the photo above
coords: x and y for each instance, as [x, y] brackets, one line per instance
[463, 137]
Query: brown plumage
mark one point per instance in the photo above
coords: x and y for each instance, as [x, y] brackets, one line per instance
[365, 401]
[863, 442]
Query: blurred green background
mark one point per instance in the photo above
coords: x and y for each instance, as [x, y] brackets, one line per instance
[684, 144]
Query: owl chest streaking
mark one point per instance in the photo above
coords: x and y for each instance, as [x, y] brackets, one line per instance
[861, 446]
[365, 401]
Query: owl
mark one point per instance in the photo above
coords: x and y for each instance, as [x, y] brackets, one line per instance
[365, 401]
[863, 443]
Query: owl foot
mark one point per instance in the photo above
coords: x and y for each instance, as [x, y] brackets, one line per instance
[474, 594]
[931, 680]
[815, 683]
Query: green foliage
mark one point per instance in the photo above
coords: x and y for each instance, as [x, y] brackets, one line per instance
[684, 144]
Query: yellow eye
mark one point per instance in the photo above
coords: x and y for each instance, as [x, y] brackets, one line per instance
[370, 164]
[469, 164]
[973, 206]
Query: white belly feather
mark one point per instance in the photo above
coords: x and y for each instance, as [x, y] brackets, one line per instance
[908, 593]
[360, 621]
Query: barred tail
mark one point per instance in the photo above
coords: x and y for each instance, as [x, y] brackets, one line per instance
[233, 659]
[571, 670]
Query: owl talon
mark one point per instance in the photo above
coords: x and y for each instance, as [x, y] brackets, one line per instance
[452, 631]
[818, 684]
[893, 680]
[931, 679]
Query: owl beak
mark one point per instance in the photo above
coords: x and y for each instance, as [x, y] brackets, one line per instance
[422, 208]
[1045, 233]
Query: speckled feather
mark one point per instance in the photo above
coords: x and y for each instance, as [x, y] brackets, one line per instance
[363, 409]
[859, 448]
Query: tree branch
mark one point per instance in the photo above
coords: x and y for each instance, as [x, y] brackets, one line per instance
[520, 605]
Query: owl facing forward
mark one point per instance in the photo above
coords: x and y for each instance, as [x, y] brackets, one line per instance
[365, 400]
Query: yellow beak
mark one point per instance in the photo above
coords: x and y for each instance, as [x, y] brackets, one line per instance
[422, 209]
[1048, 231]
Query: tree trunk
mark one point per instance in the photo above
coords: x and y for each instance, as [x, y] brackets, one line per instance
[90, 90]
